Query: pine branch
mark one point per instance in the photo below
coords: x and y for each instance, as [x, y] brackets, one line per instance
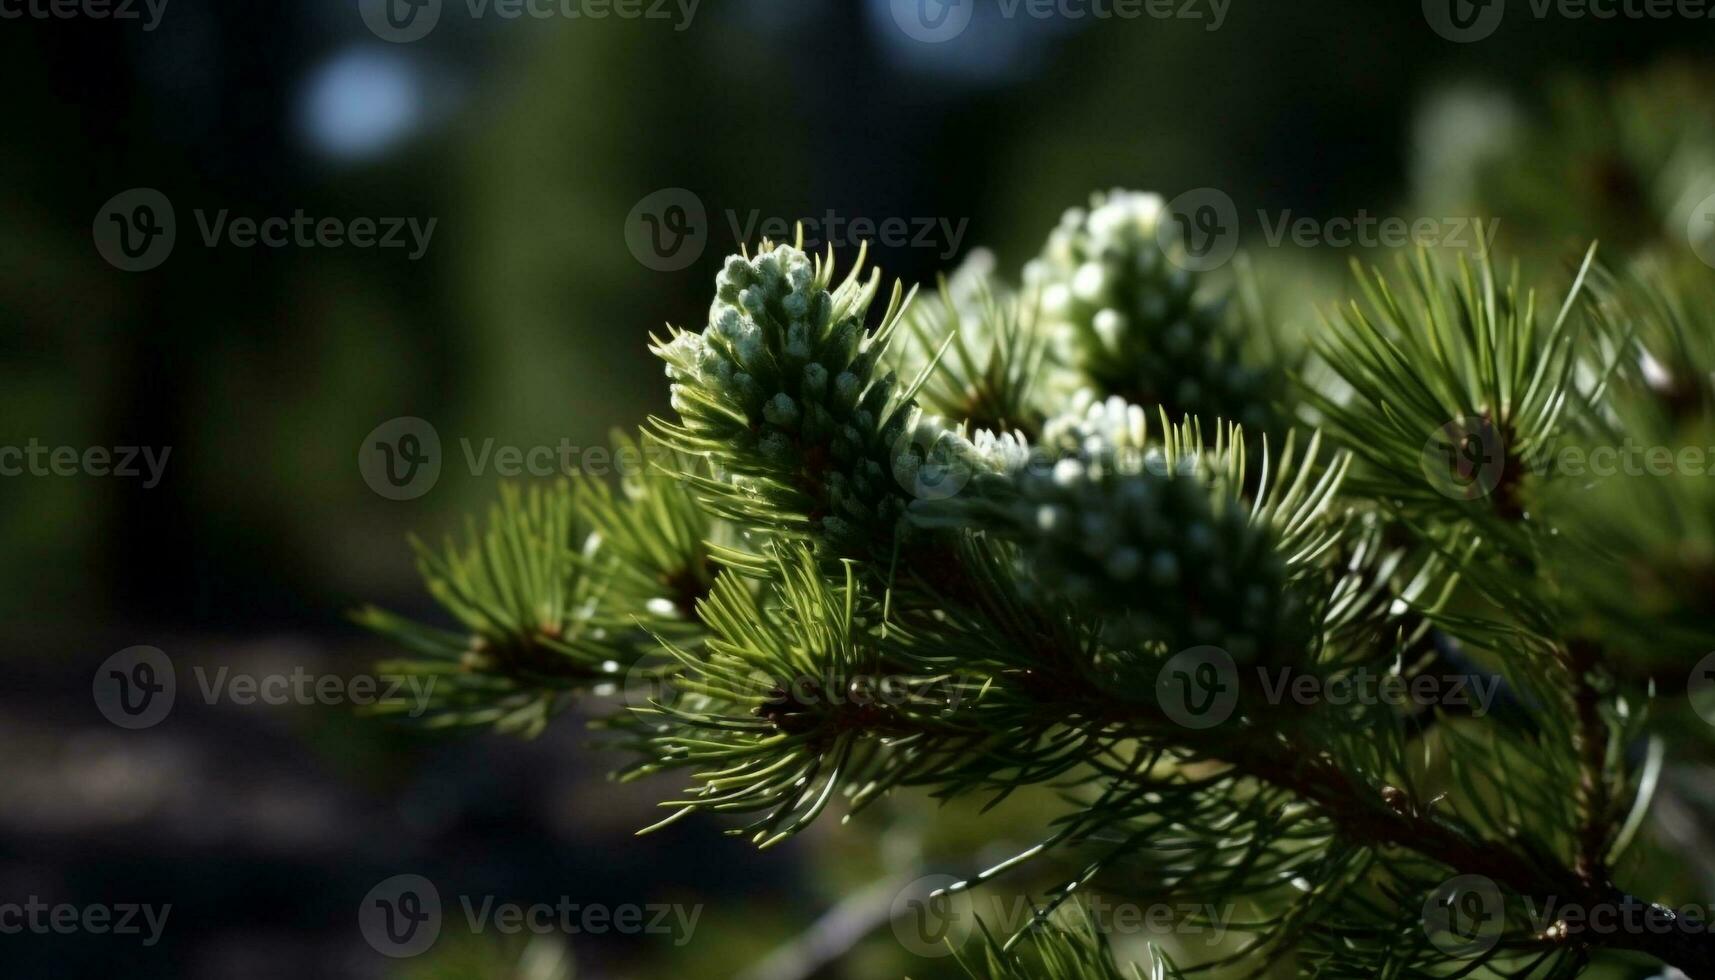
[912, 607]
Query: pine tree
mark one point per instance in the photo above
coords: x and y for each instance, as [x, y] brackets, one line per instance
[1072, 531]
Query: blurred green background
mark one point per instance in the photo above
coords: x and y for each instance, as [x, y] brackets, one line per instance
[531, 142]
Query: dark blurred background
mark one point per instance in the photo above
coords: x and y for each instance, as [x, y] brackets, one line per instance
[531, 143]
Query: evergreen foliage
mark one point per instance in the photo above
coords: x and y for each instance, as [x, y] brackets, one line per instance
[833, 592]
